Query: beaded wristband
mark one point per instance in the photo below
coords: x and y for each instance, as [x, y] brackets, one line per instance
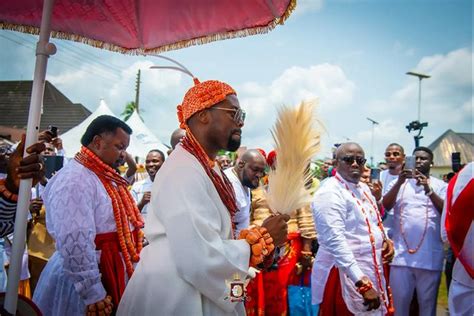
[6, 193]
[364, 288]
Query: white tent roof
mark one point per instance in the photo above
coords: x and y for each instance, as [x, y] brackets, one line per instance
[145, 140]
[142, 139]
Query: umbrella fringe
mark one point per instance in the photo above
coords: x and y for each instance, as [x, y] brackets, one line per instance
[169, 47]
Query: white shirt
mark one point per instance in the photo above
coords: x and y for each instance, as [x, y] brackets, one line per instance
[138, 190]
[79, 208]
[388, 181]
[242, 196]
[191, 258]
[344, 240]
[411, 207]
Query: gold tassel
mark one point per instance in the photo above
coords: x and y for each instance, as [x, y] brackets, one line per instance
[296, 142]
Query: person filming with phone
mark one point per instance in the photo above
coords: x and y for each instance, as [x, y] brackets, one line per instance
[417, 201]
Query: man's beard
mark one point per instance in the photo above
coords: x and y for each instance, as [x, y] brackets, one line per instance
[247, 183]
[232, 144]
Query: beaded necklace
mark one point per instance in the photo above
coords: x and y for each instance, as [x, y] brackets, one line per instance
[402, 232]
[222, 184]
[389, 304]
[125, 210]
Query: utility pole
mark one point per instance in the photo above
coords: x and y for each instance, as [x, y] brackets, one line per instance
[372, 141]
[137, 92]
[417, 125]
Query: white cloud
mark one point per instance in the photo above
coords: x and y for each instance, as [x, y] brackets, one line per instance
[307, 6]
[326, 83]
[446, 102]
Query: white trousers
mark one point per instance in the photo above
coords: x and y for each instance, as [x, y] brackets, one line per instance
[404, 281]
[461, 299]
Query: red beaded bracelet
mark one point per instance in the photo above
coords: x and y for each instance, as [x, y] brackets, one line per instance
[6, 193]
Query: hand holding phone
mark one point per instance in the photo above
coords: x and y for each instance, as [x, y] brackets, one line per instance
[374, 174]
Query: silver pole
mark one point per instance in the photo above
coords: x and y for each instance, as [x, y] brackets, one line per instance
[43, 50]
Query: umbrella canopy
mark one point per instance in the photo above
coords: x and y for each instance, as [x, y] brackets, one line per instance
[147, 26]
[127, 26]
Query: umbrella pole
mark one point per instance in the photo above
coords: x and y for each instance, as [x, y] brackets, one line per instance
[43, 50]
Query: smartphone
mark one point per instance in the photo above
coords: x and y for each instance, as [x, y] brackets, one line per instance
[53, 130]
[410, 163]
[52, 165]
[456, 161]
[374, 174]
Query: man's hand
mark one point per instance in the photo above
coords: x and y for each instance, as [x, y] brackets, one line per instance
[423, 180]
[405, 174]
[277, 228]
[306, 262]
[388, 252]
[35, 206]
[57, 143]
[371, 297]
[376, 189]
[31, 166]
[145, 200]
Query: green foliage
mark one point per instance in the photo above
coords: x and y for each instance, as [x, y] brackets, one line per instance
[128, 111]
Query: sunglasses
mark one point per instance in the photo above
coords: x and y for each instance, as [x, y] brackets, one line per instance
[239, 114]
[350, 160]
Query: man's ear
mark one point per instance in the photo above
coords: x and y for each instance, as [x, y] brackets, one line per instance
[204, 116]
[96, 142]
[241, 164]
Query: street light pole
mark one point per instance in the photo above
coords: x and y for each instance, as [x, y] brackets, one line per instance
[417, 125]
[372, 141]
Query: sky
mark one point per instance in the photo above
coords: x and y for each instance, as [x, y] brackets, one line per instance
[351, 56]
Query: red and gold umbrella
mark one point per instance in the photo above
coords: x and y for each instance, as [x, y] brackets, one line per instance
[127, 26]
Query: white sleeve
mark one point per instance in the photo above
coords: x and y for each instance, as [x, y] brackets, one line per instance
[70, 206]
[193, 227]
[329, 214]
[134, 191]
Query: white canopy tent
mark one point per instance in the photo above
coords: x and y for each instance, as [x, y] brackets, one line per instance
[142, 139]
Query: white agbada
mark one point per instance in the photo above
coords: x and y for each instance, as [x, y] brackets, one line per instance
[242, 196]
[461, 291]
[79, 208]
[388, 181]
[191, 257]
[411, 207]
[344, 242]
[138, 190]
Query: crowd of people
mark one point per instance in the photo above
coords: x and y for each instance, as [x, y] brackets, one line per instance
[196, 236]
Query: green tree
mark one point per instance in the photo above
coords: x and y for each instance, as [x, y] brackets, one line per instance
[128, 111]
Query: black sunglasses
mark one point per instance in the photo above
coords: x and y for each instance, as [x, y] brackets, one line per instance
[350, 160]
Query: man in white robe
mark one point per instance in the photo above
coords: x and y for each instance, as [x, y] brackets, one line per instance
[341, 210]
[417, 202]
[192, 258]
[79, 211]
[395, 158]
[460, 212]
[141, 190]
[245, 176]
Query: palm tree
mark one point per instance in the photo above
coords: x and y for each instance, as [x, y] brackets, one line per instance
[129, 108]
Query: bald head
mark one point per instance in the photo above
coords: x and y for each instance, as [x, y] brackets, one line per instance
[176, 137]
[251, 168]
[344, 147]
[252, 155]
[350, 161]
